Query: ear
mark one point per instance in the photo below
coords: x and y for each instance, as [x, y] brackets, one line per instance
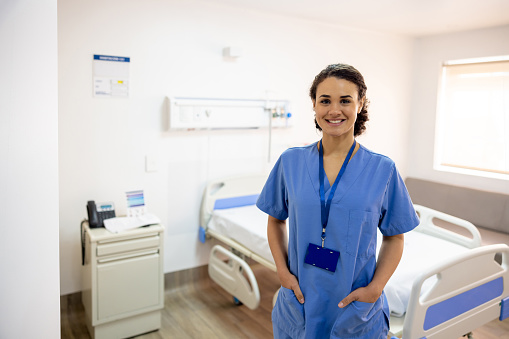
[361, 105]
[314, 103]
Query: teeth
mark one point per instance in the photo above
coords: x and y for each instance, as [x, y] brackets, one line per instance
[335, 121]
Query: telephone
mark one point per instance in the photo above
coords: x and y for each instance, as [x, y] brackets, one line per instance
[98, 213]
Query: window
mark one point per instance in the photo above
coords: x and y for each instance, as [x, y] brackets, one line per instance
[473, 118]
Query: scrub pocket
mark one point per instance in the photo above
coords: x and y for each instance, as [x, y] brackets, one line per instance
[288, 314]
[361, 238]
[361, 320]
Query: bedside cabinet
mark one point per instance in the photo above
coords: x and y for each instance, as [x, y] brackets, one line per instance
[123, 281]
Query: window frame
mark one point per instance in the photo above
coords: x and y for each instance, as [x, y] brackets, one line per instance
[440, 124]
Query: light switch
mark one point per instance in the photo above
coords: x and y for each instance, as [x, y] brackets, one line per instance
[150, 163]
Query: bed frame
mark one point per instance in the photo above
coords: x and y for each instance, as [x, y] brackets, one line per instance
[461, 300]
[229, 269]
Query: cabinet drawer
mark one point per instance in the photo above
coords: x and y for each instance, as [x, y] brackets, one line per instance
[129, 286]
[109, 248]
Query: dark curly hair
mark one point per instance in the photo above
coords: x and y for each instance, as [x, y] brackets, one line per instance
[349, 73]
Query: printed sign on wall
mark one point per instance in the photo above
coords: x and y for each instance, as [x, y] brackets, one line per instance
[111, 76]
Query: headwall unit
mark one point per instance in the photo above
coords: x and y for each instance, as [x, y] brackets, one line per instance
[201, 113]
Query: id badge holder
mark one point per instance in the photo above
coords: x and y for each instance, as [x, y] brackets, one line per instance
[322, 257]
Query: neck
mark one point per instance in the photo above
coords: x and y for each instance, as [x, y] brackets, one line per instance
[336, 145]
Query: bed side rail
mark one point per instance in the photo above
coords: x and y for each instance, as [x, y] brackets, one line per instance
[467, 294]
[243, 250]
[426, 215]
[228, 188]
[229, 275]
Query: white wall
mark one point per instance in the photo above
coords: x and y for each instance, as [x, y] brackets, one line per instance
[176, 50]
[29, 267]
[430, 53]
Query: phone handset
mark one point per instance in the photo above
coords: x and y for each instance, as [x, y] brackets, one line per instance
[93, 217]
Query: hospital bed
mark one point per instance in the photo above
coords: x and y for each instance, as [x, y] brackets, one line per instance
[446, 285]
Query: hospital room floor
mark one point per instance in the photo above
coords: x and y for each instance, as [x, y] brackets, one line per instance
[196, 307]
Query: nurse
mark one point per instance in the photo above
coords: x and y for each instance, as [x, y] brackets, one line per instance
[336, 194]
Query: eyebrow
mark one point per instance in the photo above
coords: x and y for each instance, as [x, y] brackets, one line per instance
[341, 97]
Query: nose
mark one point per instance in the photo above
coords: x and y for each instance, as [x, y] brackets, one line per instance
[335, 108]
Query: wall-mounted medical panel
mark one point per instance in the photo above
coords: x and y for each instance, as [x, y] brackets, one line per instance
[201, 113]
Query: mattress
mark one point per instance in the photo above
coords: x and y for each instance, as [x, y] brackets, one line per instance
[247, 225]
[421, 252]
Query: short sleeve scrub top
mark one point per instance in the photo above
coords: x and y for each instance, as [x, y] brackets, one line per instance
[370, 195]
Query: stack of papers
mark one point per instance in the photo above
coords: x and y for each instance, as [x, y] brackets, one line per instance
[119, 224]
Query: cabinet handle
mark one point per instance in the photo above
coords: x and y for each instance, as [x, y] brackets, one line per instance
[128, 238]
[127, 256]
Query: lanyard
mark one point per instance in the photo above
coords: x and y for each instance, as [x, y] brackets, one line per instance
[326, 205]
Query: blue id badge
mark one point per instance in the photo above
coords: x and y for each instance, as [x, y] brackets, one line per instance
[322, 257]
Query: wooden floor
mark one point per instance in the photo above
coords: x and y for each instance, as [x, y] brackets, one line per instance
[195, 307]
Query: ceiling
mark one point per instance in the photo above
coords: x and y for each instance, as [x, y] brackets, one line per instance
[404, 17]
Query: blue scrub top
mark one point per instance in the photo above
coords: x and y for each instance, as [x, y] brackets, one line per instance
[371, 194]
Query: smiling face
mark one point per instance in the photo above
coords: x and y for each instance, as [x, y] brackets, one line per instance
[336, 106]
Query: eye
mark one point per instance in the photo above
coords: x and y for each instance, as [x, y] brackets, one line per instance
[345, 101]
[325, 101]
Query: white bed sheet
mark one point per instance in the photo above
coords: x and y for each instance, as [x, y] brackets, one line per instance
[420, 253]
[247, 225]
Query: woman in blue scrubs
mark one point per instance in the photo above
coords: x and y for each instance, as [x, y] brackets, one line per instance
[336, 194]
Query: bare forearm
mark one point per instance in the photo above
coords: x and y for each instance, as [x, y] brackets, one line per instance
[388, 260]
[278, 243]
